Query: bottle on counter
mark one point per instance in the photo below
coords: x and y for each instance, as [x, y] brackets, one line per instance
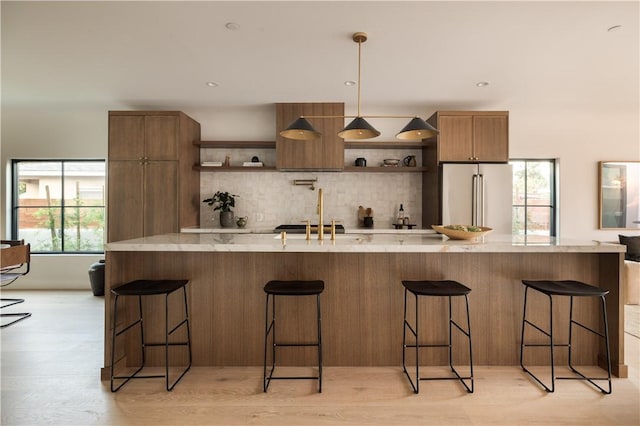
[400, 220]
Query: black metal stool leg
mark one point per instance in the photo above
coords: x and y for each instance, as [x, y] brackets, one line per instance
[270, 328]
[450, 337]
[114, 335]
[549, 334]
[417, 327]
[404, 344]
[168, 333]
[605, 336]
[467, 333]
[551, 344]
[319, 344]
[466, 300]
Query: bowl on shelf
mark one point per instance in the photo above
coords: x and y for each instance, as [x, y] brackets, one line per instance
[461, 232]
[391, 161]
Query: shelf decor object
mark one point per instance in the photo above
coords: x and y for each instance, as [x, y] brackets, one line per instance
[359, 128]
[225, 202]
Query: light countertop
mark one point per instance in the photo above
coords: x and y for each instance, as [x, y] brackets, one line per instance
[270, 230]
[357, 243]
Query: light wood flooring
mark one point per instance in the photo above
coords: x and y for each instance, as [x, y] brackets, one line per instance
[50, 375]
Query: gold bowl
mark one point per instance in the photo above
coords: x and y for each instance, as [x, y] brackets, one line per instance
[456, 234]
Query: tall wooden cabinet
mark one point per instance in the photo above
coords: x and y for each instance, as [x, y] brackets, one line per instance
[472, 136]
[152, 187]
[324, 153]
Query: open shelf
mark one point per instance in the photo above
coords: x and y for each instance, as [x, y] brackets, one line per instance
[384, 169]
[236, 144]
[347, 144]
[385, 145]
[233, 169]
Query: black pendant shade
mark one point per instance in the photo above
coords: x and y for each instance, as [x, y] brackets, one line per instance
[417, 129]
[359, 128]
[300, 130]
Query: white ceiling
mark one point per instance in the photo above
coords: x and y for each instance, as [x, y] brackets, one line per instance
[420, 55]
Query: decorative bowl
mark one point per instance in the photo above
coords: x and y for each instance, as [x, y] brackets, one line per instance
[391, 161]
[456, 234]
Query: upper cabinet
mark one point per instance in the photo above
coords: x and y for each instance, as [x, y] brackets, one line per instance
[324, 153]
[472, 136]
[154, 137]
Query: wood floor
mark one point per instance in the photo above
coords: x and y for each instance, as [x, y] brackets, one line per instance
[50, 375]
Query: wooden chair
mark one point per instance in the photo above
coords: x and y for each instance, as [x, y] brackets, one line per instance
[15, 261]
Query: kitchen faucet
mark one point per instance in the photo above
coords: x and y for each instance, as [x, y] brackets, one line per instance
[320, 228]
[320, 214]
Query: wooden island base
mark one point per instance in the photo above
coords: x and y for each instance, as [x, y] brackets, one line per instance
[362, 305]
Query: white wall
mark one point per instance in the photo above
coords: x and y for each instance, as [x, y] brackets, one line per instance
[579, 139]
[51, 132]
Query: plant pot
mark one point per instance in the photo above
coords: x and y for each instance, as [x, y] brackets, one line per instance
[226, 220]
[96, 278]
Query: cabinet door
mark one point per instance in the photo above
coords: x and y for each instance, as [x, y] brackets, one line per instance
[125, 200]
[161, 137]
[324, 153]
[160, 197]
[491, 138]
[126, 137]
[455, 141]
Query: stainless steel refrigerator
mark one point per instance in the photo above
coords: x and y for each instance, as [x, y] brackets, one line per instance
[477, 194]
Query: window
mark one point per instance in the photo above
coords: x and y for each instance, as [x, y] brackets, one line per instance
[58, 205]
[534, 198]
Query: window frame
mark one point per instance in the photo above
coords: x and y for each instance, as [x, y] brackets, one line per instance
[15, 194]
[553, 194]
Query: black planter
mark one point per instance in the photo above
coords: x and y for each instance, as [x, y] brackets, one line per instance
[96, 277]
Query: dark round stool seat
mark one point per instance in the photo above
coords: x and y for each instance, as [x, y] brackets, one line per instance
[294, 288]
[436, 288]
[149, 287]
[566, 288]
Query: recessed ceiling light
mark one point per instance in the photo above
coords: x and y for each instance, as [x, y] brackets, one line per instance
[482, 83]
[211, 84]
[232, 26]
[614, 28]
[350, 83]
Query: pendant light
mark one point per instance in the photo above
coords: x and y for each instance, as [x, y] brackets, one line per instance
[300, 130]
[359, 128]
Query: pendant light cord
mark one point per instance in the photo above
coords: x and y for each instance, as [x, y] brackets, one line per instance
[359, 60]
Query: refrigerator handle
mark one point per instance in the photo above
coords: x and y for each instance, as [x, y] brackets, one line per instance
[481, 200]
[474, 200]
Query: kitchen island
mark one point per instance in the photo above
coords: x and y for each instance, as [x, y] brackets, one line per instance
[363, 299]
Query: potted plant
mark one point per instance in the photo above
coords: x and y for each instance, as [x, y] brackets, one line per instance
[225, 202]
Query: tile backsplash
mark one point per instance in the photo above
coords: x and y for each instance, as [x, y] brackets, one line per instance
[270, 198]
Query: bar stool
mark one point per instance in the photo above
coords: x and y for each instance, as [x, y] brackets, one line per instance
[290, 288]
[447, 289]
[571, 289]
[142, 288]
